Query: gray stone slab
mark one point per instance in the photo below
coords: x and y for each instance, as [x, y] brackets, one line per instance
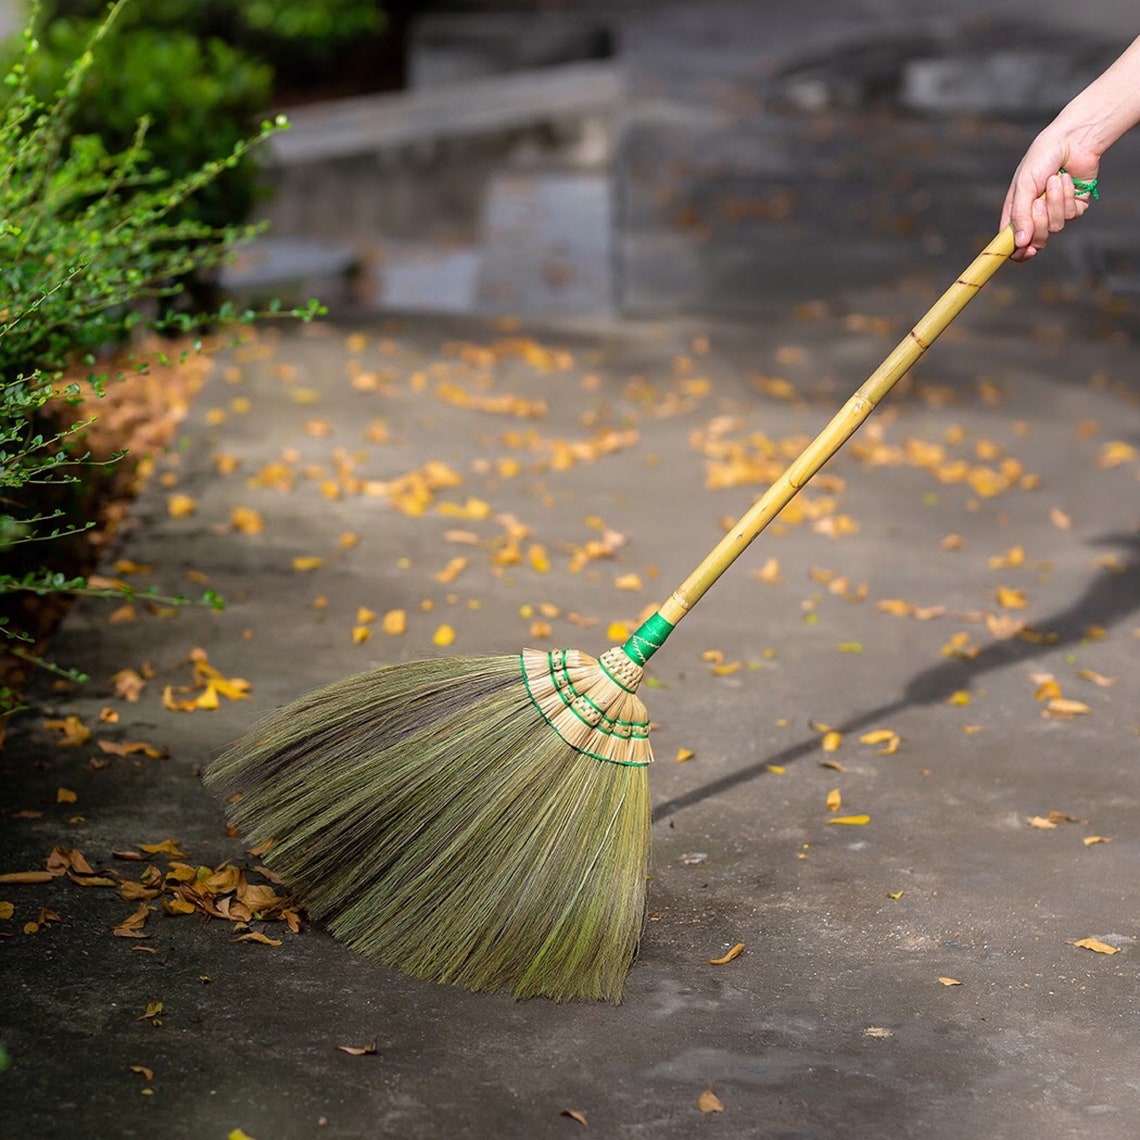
[547, 247]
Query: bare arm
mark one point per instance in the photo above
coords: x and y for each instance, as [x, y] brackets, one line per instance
[1040, 199]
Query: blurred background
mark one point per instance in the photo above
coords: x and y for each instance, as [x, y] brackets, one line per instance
[634, 157]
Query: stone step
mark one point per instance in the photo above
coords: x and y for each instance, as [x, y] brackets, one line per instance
[547, 245]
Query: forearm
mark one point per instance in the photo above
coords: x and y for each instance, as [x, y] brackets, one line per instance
[1108, 108]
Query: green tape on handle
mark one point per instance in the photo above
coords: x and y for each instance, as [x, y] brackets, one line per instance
[647, 639]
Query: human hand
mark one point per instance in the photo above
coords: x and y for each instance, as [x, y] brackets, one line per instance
[1042, 197]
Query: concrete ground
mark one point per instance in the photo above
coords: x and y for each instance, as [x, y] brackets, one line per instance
[964, 581]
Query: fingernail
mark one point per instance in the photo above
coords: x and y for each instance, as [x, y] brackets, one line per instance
[1020, 237]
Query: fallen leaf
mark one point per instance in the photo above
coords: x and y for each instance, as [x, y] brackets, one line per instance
[895, 894]
[834, 800]
[1059, 519]
[304, 563]
[179, 506]
[769, 573]
[359, 1050]
[74, 731]
[1096, 678]
[394, 622]
[884, 736]
[580, 1117]
[65, 796]
[733, 953]
[1089, 840]
[684, 754]
[131, 748]
[834, 765]
[1096, 946]
[7, 909]
[1041, 823]
[166, 847]
[443, 636]
[27, 877]
[775, 769]
[142, 1070]
[959, 698]
[1064, 708]
[257, 936]
[1114, 453]
[949, 982]
[853, 820]
[708, 1101]
[131, 926]
[831, 740]
[878, 1031]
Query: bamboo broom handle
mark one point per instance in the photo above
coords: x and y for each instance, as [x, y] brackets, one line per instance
[841, 428]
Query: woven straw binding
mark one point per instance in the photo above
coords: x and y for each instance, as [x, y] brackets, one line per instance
[591, 703]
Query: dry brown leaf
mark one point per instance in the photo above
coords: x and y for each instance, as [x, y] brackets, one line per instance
[142, 1070]
[708, 1101]
[257, 936]
[131, 747]
[73, 731]
[131, 926]
[580, 1117]
[26, 877]
[1096, 946]
[735, 952]
[1059, 519]
[1042, 823]
[65, 796]
[7, 909]
[1089, 840]
[359, 1050]
[166, 847]
[949, 982]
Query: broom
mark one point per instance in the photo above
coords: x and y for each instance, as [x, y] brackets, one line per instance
[485, 821]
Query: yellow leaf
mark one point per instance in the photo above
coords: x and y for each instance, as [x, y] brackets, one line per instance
[1041, 822]
[952, 542]
[1010, 598]
[1013, 557]
[684, 754]
[708, 1101]
[885, 736]
[1089, 840]
[831, 740]
[364, 615]
[1114, 453]
[775, 769]
[65, 796]
[725, 670]
[834, 765]
[1096, 678]
[443, 636]
[1059, 519]
[834, 800]
[394, 622]
[895, 894]
[176, 906]
[628, 582]
[360, 634]
[257, 936]
[949, 982]
[733, 953]
[1063, 708]
[6, 910]
[852, 820]
[75, 732]
[617, 631]
[959, 698]
[245, 520]
[849, 647]
[304, 563]
[1096, 946]
[769, 573]
[179, 506]
[452, 570]
[895, 606]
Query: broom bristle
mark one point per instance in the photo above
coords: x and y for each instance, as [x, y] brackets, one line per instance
[462, 819]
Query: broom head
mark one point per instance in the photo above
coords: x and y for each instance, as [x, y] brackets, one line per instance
[482, 821]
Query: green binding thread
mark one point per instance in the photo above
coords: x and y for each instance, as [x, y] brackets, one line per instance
[647, 639]
[1082, 187]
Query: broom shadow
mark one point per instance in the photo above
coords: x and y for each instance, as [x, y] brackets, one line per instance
[1111, 597]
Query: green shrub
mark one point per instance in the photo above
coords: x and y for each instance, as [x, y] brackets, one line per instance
[92, 242]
